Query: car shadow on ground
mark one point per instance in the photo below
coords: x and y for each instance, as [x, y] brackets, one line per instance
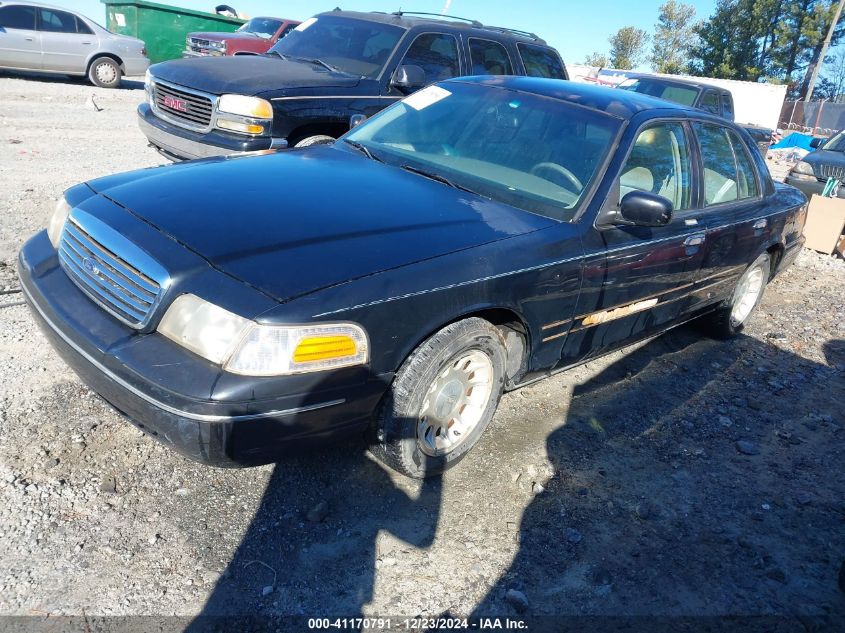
[125, 84]
[640, 520]
[637, 520]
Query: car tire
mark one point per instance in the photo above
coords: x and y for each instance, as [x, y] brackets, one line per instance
[441, 399]
[730, 320]
[317, 139]
[105, 73]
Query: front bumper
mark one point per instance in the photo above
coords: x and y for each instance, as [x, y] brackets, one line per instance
[180, 408]
[183, 144]
[811, 187]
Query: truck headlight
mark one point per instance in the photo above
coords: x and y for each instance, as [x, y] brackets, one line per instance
[56, 223]
[252, 107]
[803, 171]
[244, 347]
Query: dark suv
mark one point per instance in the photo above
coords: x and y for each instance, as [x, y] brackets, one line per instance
[329, 73]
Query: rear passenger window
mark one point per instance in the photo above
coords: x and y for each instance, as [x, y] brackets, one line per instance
[710, 102]
[17, 17]
[56, 21]
[659, 163]
[728, 172]
[727, 107]
[489, 58]
[436, 54]
[540, 61]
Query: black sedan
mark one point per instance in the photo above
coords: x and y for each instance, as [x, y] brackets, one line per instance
[479, 235]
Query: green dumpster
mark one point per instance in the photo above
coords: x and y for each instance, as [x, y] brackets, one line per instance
[162, 27]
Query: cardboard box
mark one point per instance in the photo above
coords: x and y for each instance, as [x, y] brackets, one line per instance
[825, 222]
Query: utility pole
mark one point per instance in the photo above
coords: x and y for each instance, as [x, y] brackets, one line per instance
[811, 86]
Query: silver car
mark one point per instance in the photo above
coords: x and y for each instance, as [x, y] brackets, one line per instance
[48, 39]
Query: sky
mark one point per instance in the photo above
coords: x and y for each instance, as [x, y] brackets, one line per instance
[575, 27]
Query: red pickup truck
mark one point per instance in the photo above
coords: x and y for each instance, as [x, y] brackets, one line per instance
[254, 37]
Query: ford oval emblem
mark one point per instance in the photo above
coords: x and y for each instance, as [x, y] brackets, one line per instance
[90, 266]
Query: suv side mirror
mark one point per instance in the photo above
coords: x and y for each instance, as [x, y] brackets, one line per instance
[408, 78]
[816, 143]
[642, 208]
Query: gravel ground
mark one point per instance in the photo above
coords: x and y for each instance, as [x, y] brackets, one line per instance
[684, 476]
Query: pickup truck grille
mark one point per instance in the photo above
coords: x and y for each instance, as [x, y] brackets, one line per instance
[113, 283]
[189, 109]
[830, 171]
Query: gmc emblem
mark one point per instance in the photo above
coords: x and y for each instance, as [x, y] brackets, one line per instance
[175, 104]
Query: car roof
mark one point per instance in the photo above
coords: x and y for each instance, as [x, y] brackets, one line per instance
[620, 103]
[682, 81]
[409, 20]
[42, 5]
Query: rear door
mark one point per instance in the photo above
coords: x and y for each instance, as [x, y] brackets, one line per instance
[638, 279]
[66, 42]
[20, 43]
[733, 210]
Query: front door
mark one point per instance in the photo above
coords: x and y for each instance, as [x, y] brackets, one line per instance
[20, 43]
[65, 41]
[436, 53]
[638, 279]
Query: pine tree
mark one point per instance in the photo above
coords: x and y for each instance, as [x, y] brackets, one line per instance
[626, 47]
[673, 36]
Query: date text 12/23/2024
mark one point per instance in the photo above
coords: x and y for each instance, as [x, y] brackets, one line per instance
[416, 624]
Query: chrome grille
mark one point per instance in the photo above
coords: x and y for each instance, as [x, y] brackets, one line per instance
[829, 171]
[198, 107]
[107, 278]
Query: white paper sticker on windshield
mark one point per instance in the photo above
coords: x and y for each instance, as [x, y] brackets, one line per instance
[426, 97]
[120, 18]
[305, 24]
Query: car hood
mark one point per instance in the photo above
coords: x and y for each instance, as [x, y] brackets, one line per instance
[825, 157]
[293, 222]
[217, 36]
[248, 74]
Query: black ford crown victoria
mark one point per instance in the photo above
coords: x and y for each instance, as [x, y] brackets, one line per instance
[479, 235]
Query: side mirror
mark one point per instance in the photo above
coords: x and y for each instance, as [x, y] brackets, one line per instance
[816, 143]
[408, 78]
[642, 208]
[356, 119]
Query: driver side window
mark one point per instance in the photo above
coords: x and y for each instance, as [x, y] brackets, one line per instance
[436, 54]
[659, 163]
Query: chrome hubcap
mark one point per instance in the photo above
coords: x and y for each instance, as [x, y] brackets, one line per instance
[105, 73]
[455, 403]
[750, 287]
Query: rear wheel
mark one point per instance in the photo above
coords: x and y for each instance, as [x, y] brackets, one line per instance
[441, 400]
[105, 73]
[730, 320]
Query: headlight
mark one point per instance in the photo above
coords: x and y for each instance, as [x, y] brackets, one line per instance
[57, 220]
[805, 169]
[148, 79]
[244, 347]
[252, 107]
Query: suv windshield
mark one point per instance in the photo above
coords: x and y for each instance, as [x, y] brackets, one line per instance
[353, 46]
[265, 27]
[535, 153]
[836, 143]
[656, 88]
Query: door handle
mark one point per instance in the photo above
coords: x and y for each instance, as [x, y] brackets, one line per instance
[760, 224]
[28, 39]
[694, 240]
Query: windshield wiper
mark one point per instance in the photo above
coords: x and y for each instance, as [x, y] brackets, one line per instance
[363, 149]
[433, 176]
[272, 52]
[319, 62]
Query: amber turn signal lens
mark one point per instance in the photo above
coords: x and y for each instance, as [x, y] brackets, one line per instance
[324, 348]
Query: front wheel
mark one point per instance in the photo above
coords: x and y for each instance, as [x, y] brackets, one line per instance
[317, 139]
[728, 321]
[441, 400]
[105, 73]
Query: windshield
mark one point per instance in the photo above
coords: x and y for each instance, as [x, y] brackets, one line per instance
[836, 143]
[535, 153]
[265, 27]
[671, 92]
[353, 46]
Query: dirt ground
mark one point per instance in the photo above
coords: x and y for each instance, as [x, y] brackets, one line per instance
[682, 477]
